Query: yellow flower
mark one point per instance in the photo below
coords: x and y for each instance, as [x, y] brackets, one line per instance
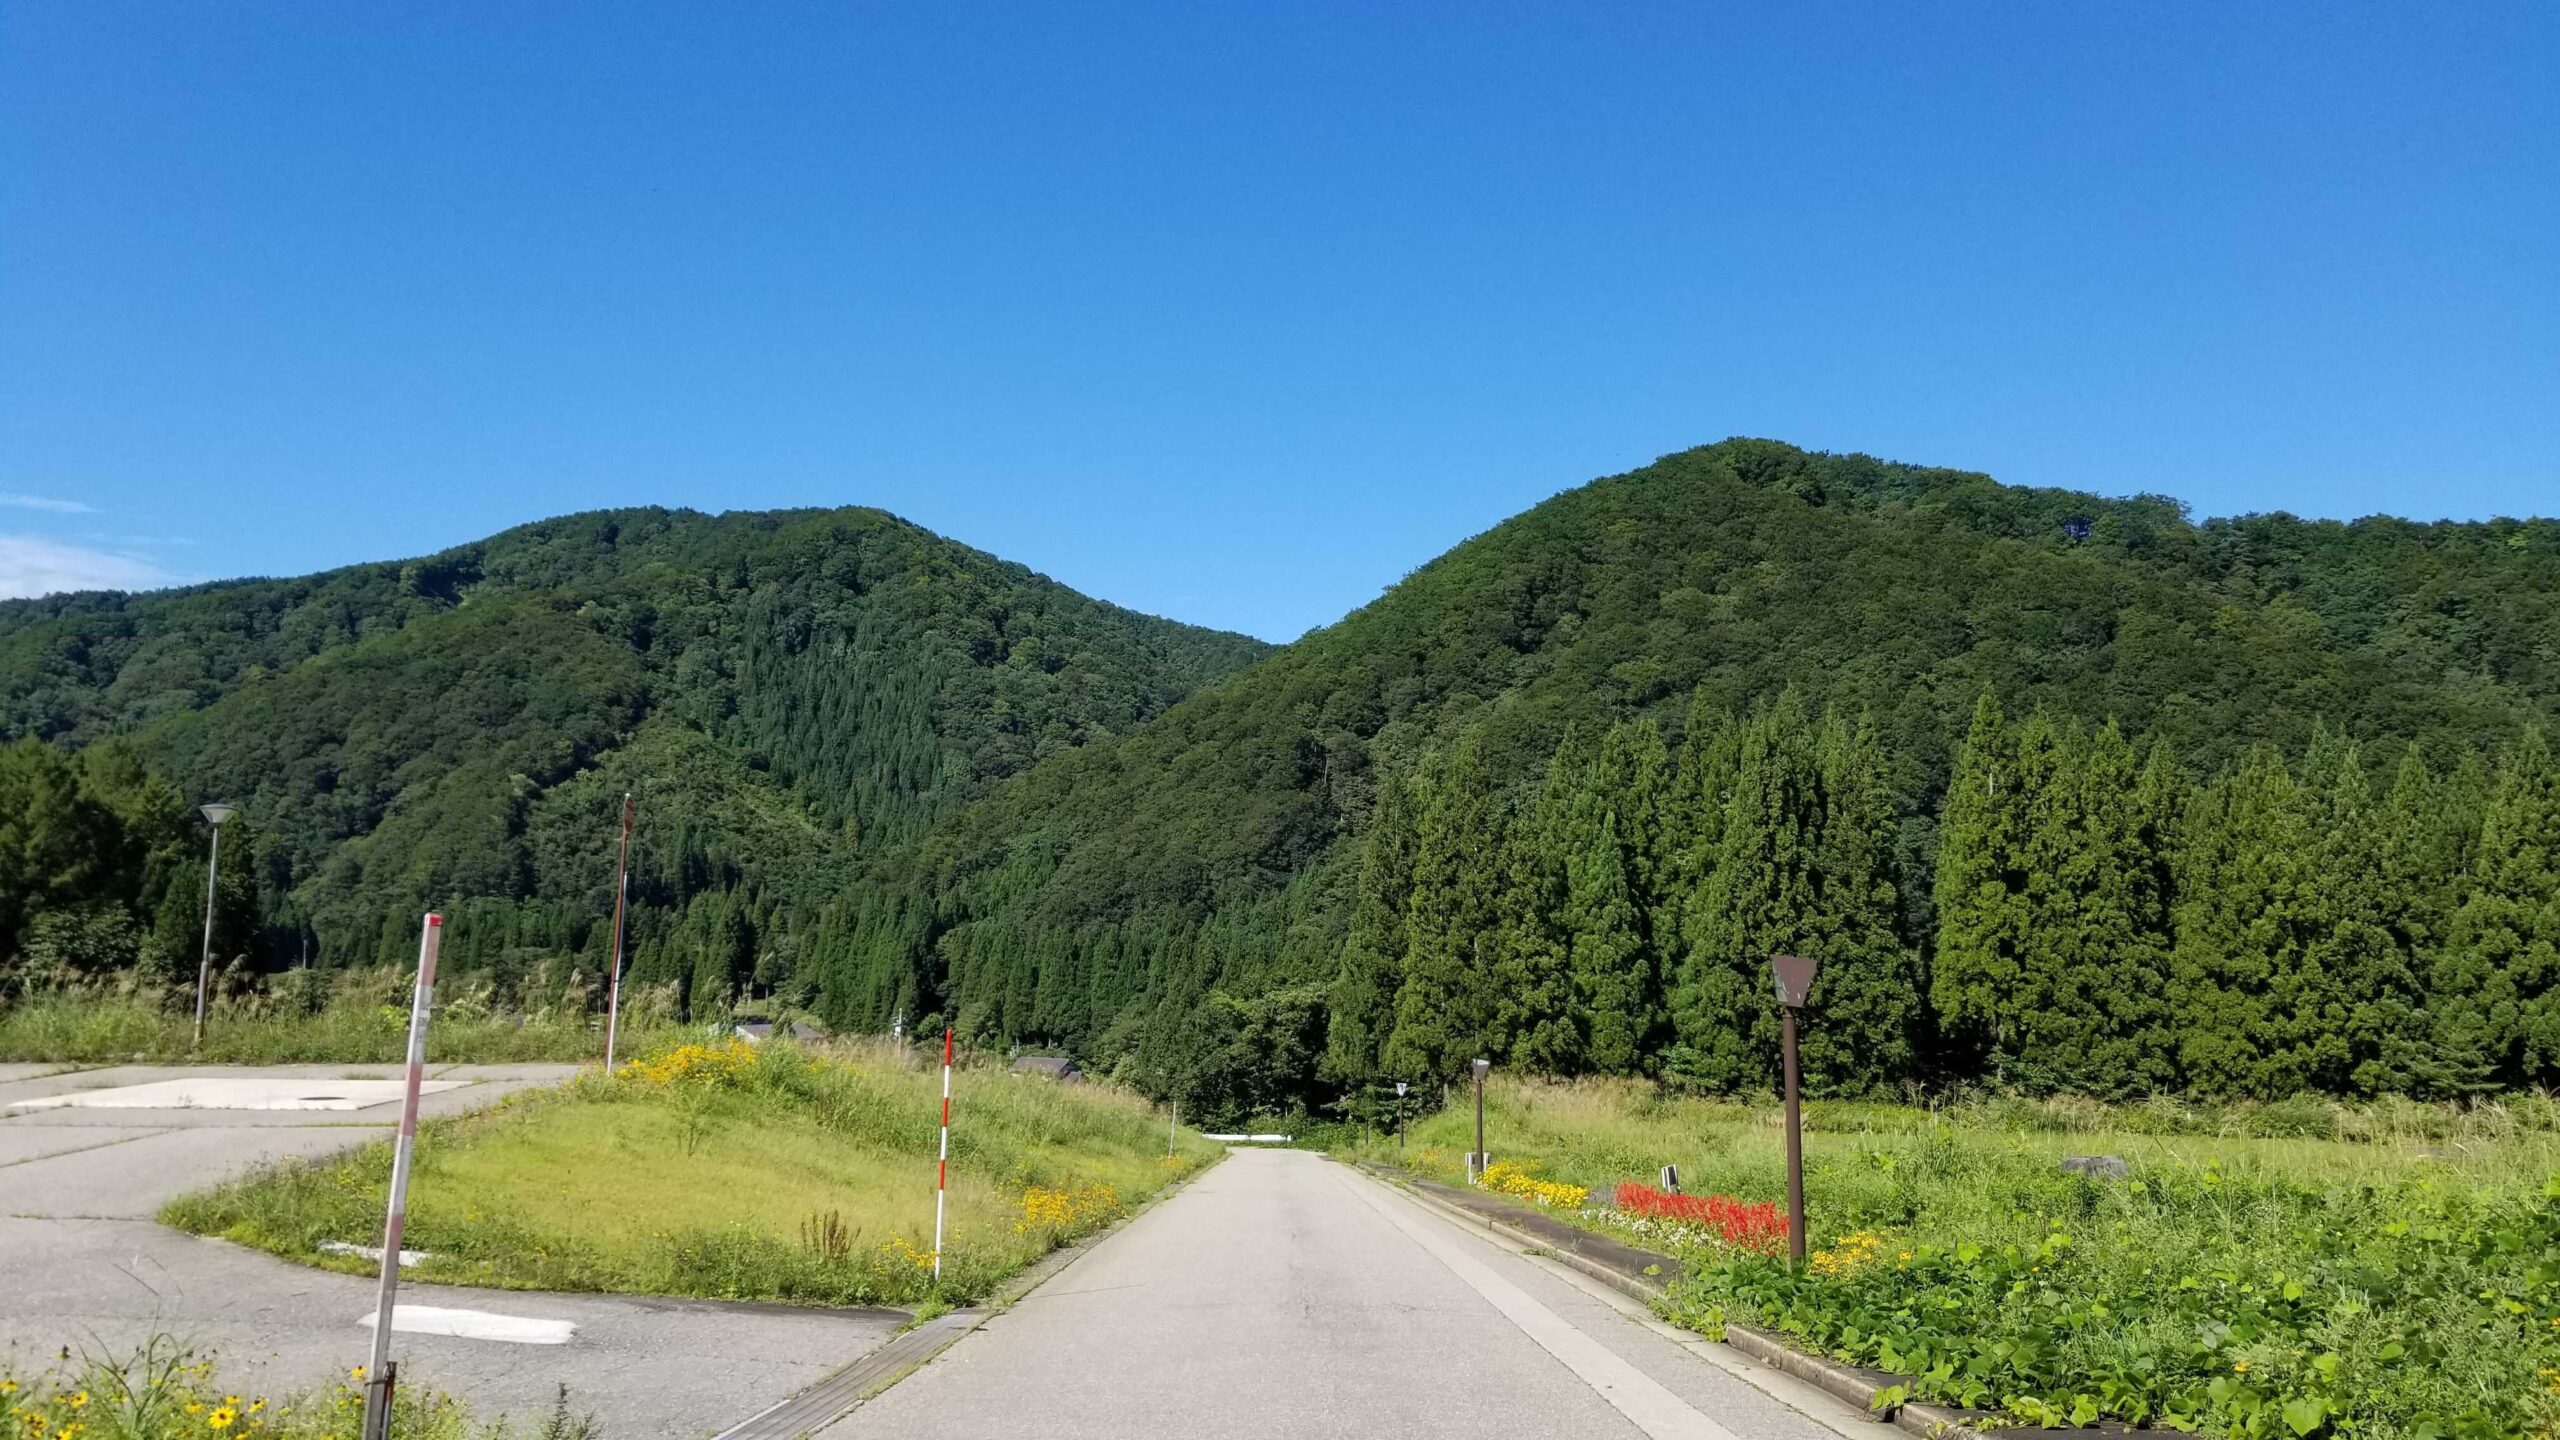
[221, 1419]
[2240, 1367]
[80, 1399]
[10, 1387]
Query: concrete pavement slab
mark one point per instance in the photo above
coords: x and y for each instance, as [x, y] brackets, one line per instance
[237, 1092]
[647, 1367]
[82, 1264]
[134, 1179]
[22, 1143]
[1273, 1298]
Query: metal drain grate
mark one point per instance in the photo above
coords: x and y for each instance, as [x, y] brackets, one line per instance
[822, 1403]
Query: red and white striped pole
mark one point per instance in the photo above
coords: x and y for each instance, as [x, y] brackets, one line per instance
[378, 1375]
[942, 1167]
[621, 897]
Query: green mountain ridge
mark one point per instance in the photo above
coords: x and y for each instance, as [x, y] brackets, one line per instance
[1103, 898]
[884, 774]
[456, 730]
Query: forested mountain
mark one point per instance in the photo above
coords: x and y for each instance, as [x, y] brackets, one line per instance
[784, 692]
[1184, 898]
[2066, 793]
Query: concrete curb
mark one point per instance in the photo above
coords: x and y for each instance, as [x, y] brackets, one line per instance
[1849, 1383]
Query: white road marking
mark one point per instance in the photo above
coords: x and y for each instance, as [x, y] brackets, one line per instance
[235, 1092]
[1638, 1396]
[474, 1325]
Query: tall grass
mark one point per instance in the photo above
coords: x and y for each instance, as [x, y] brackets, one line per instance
[741, 1172]
[2305, 1270]
[352, 1017]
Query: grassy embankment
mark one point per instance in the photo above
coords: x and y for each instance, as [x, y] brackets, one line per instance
[736, 1172]
[362, 1018]
[2295, 1270]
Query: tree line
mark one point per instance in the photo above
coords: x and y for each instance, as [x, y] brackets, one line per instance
[2099, 921]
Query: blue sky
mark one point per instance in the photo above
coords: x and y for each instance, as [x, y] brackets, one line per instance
[1238, 312]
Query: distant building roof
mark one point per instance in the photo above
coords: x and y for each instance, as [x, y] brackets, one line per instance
[1056, 1067]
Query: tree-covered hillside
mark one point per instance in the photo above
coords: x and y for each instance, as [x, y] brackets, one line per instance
[1182, 896]
[784, 692]
[2067, 793]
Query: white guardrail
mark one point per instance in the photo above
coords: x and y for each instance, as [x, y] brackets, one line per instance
[1249, 1139]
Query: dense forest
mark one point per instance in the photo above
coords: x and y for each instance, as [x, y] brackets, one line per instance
[783, 693]
[2069, 793]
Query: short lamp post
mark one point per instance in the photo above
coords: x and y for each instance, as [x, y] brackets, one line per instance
[1794, 974]
[1477, 1161]
[215, 814]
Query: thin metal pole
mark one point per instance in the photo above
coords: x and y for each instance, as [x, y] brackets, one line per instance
[378, 1375]
[204, 960]
[942, 1166]
[1173, 1130]
[1480, 1160]
[621, 895]
[1795, 1140]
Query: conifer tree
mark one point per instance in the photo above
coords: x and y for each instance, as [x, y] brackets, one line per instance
[1692, 824]
[1864, 1017]
[1753, 903]
[1535, 1012]
[2497, 988]
[2358, 1016]
[1445, 1006]
[1614, 986]
[2239, 964]
[1980, 886]
[1364, 990]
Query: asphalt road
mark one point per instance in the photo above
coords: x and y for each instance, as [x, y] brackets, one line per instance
[1283, 1295]
[83, 1264]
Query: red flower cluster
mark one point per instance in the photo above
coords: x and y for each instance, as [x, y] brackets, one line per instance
[1753, 1227]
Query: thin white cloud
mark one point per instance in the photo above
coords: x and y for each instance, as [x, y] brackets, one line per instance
[45, 503]
[33, 565]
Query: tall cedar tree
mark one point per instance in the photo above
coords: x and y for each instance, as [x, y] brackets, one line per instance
[1364, 989]
[1535, 1013]
[1445, 1007]
[2498, 980]
[2243, 997]
[1983, 918]
[1803, 866]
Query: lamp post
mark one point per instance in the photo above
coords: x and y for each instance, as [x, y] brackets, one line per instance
[1794, 974]
[1477, 1161]
[215, 814]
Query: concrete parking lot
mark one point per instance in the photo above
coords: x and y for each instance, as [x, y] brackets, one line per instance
[84, 1264]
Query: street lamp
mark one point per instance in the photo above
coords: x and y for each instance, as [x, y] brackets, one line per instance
[215, 814]
[1477, 1161]
[1794, 974]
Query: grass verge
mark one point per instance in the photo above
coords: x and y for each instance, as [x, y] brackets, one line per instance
[2402, 1281]
[734, 1172]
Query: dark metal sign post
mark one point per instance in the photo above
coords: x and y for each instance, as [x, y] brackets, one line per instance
[1400, 1089]
[1794, 975]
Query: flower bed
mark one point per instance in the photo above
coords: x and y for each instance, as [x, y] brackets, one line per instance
[1751, 1226]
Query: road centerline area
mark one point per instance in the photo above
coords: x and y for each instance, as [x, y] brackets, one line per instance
[1275, 1297]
